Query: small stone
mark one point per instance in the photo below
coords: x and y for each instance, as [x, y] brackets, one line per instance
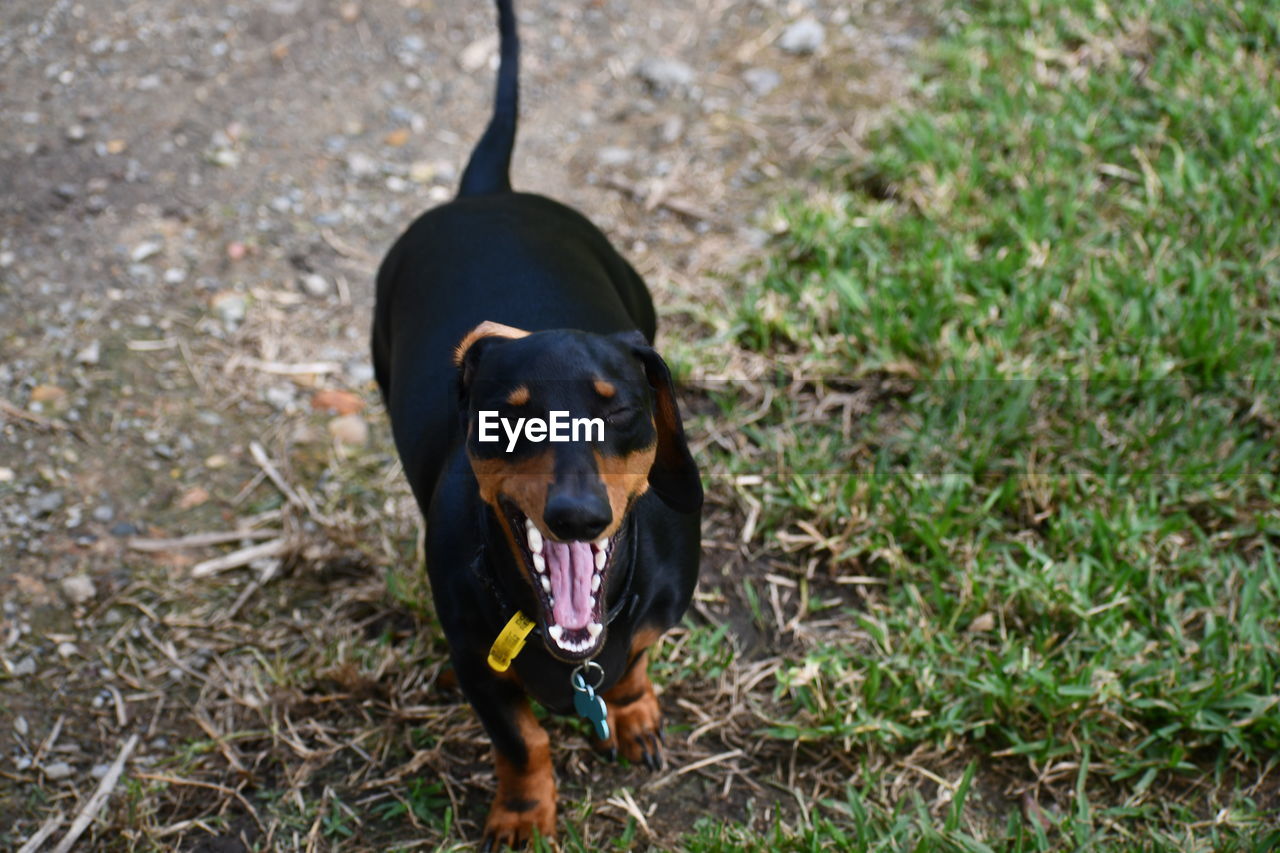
[349, 12]
[316, 285]
[45, 504]
[761, 81]
[76, 133]
[613, 156]
[804, 36]
[20, 725]
[66, 192]
[78, 589]
[66, 650]
[24, 667]
[7, 259]
[175, 275]
[227, 158]
[397, 138]
[91, 354]
[422, 172]
[217, 461]
[57, 770]
[281, 397]
[103, 513]
[7, 475]
[478, 54]
[145, 250]
[236, 250]
[665, 75]
[361, 165]
[350, 430]
[230, 307]
[124, 528]
[100, 770]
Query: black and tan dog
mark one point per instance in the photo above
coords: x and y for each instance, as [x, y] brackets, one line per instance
[512, 304]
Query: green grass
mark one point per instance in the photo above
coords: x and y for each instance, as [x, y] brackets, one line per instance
[1068, 257]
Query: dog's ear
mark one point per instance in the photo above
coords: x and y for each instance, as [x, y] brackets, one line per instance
[466, 355]
[674, 475]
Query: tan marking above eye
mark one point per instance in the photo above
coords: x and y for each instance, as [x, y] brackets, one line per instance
[487, 329]
[518, 396]
[605, 388]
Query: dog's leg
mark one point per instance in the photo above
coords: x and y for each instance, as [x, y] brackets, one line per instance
[635, 719]
[526, 798]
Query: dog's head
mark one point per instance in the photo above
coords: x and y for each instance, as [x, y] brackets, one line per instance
[565, 430]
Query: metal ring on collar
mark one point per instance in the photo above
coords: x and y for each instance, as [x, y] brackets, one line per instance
[581, 671]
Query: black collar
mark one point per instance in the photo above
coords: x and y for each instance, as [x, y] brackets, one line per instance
[626, 599]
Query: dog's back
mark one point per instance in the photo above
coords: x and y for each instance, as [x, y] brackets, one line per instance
[489, 254]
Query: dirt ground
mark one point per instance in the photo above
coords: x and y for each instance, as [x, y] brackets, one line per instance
[194, 197]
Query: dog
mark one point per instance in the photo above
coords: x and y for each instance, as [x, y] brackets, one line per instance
[502, 307]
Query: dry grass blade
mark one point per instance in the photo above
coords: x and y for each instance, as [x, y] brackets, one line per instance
[196, 540]
[47, 829]
[99, 799]
[242, 557]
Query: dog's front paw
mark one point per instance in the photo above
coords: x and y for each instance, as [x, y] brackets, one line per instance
[635, 730]
[513, 820]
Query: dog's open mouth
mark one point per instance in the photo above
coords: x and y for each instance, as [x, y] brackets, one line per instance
[569, 585]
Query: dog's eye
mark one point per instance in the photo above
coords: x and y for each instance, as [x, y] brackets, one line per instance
[622, 414]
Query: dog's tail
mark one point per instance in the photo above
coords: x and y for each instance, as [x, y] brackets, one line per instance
[488, 170]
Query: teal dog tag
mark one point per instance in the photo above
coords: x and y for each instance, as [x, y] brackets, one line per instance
[590, 705]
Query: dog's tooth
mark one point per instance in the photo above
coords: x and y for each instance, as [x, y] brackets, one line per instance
[600, 559]
[601, 544]
[594, 629]
[556, 632]
[595, 583]
[539, 563]
[534, 536]
[546, 583]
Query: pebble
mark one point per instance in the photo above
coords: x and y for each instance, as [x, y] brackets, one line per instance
[281, 397]
[7, 475]
[230, 307]
[665, 75]
[91, 354]
[361, 165]
[804, 36]
[57, 770]
[124, 528]
[44, 504]
[761, 81]
[66, 650]
[316, 285]
[78, 589]
[175, 275]
[145, 250]
[26, 666]
[350, 430]
[66, 192]
[100, 770]
[614, 156]
[76, 133]
[20, 725]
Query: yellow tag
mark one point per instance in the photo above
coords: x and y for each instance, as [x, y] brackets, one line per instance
[510, 641]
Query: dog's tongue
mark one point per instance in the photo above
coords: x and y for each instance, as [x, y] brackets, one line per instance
[570, 565]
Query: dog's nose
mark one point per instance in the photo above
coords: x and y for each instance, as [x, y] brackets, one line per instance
[578, 517]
